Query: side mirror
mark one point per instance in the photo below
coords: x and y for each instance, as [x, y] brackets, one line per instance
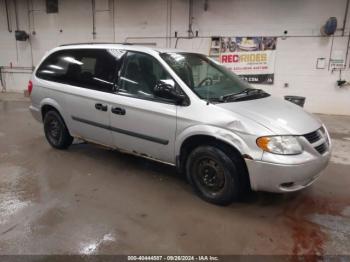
[166, 89]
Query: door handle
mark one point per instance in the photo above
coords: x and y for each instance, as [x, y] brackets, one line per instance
[101, 107]
[118, 110]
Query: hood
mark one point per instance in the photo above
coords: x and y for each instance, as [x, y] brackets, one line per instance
[279, 116]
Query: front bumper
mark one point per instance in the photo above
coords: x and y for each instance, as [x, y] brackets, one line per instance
[272, 177]
[287, 173]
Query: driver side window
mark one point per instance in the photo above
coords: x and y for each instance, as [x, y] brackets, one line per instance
[139, 76]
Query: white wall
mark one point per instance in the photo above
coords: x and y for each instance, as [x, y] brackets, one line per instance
[140, 20]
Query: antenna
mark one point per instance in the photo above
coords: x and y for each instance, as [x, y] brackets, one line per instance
[208, 94]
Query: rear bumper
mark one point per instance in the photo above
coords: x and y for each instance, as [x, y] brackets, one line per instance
[35, 113]
[276, 177]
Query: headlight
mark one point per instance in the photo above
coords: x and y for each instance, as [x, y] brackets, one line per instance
[283, 145]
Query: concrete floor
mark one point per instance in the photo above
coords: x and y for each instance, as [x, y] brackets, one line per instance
[89, 200]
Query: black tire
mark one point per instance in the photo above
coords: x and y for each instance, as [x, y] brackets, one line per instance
[56, 131]
[214, 175]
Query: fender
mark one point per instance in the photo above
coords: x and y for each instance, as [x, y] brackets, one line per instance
[227, 136]
[51, 102]
[57, 106]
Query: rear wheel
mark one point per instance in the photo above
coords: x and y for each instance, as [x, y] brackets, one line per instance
[213, 175]
[56, 131]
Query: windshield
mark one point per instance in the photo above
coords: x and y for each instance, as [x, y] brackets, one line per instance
[207, 78]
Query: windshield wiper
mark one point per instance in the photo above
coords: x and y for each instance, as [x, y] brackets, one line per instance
[244, 93]
[214, 99]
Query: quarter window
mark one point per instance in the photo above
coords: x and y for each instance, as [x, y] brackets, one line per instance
[88, 68]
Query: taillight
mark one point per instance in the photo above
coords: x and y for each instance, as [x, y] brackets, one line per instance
[30, 87]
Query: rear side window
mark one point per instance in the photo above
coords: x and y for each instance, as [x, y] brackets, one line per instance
[87, 68]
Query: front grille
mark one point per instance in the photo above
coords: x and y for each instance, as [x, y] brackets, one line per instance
[321, 148]
[313, 136]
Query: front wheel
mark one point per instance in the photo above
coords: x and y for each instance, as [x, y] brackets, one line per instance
[56, 131]
[213, 175]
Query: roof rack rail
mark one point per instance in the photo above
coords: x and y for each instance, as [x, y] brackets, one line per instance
[96, 43]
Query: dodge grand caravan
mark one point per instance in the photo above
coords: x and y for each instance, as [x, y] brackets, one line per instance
[179, 108]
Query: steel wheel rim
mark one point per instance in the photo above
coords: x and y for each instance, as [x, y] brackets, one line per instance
[54, 131]
[210, 175]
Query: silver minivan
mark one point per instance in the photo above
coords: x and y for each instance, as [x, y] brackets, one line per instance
[180, 108]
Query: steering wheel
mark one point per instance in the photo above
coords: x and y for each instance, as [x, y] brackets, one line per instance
[204, 80]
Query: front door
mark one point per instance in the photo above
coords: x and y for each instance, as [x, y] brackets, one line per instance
[141, 122]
